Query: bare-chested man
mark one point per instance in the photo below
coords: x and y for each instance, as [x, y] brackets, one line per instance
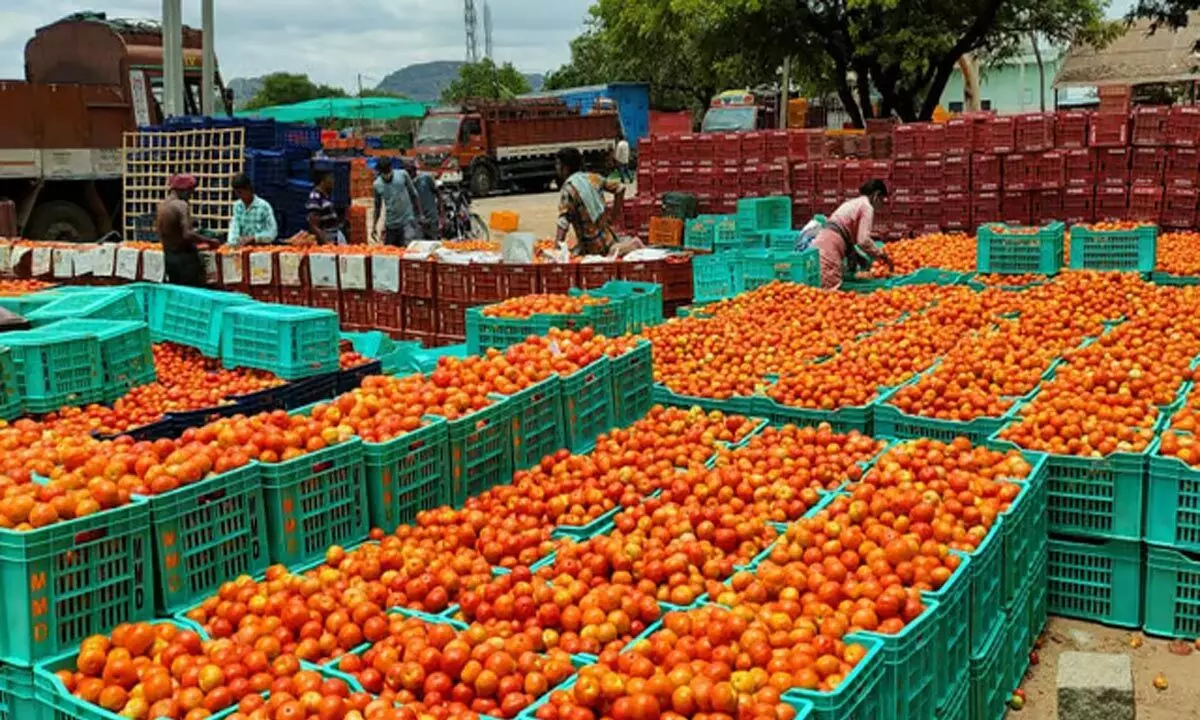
[180, 241]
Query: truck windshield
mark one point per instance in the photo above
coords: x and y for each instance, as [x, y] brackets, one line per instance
[734, 119]
[438, 130]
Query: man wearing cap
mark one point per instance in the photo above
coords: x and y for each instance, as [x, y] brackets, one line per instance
[180, 242]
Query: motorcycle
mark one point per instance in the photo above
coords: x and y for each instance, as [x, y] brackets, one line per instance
[455, 219]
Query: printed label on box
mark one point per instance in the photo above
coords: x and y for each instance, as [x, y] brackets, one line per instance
[353, 271]
[128, 262]
[231, 268]
[212, 271]
[289, 269]
[153, 267]
[83, 261]
[42, 257]
[104, 260]
[323, 269]
[385, 273]
[64, 263]
[261, 268]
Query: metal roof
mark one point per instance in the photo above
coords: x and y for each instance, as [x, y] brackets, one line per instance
[1138, 57]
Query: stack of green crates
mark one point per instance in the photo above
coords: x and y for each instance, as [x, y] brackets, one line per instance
[125, 350]
[56, 369]
[700, 233]
[642, 302]
[10, 396]
[191, 316]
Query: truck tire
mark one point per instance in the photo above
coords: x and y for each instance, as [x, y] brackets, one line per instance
[60, 220]
[483, 180]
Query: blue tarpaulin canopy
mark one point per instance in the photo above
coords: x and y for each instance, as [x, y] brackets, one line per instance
[368, 108]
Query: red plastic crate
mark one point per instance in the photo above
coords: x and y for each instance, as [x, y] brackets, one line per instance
[930, 176]
[806, 144]
[776, 142]
[454, 283]
[666, 179]
[1080, 167]
[702, 149]
[802, 209]
[1183, 168]
[418, 278]
[419, 316]
[931, 141]
[929, 214]
[645, 178]
[727, 147]
[902, 209]
[725, 203]
[389, 312]
[1051, 171]
[877, 170]
[804, 176]
[828, 175]
[854, 174]
[1019, 173]
[486, 283]
[827, 202]
[358, 308]
[1147, 165]
[956, 173]
[266, 293]
[754, 147]
[1034, 132]
[956, 212]
[958, 136]
[1078, 205]
[295, 295]
[1112, 166]
[749, 182]
[905, 176]
[986, 173]
[1179, 208]
[1146, 203]
[1106, 131]
[1016, 207]
[995, 136]
[594, 275]
[1183, 126]
[1112, 203]
[775, 180]
[1115, 99]
[451, 319]
[519, 280]
[905, 141]
[681, 147]
[1071, 129]
[1150, 125]
[985, 208]
[1046, 206]
[557, 278]
[326, 299]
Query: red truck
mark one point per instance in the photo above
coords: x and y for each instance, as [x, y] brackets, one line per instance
[88, 79]
[495, 145]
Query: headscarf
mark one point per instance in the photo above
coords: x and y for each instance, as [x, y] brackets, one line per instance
[183, 182]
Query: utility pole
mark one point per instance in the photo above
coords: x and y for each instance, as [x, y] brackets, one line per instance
[172, 39]
[471, 20]
[487, 30]
[208, 71]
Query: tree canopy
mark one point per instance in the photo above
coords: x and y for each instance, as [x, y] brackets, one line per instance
[287, 88]
[881, 57]
[486, 80]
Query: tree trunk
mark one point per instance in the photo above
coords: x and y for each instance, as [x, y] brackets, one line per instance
[846, 95]
[862, 83]
[1037, 55]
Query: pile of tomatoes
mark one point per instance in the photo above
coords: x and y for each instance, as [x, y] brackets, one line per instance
[527, 306]
[948, 251]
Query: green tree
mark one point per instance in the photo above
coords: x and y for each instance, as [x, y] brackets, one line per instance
[288, 88]
[486, 80]
[1167, 13]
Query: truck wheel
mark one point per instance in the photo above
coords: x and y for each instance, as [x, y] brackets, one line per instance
[60, 220]
[483, 181]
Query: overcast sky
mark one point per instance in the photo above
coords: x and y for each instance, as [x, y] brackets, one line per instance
[331, 40]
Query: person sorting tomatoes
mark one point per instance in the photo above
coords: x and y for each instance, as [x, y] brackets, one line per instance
[581, 208]
[848, 228]
[180, 242]
[253, 221]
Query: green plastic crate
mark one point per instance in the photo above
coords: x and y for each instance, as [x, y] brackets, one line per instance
[481, 450]
[865, 285]
[1158, 278]
[292, 342]
[679, 205]
[807, 270]
[56, 369]
[1172, 593]
[1173, 504]
[698, 232]
[1100, 581]
[10, 394]
[17, 697]
[781, 241]
[909, 667]
[1038, 590]
[1095, 497]
[760, 267]
[644, 303]
[192, 316]
[24, 304]
[207, 534]
[739, 405]
[315, 501]
[407, 474]
[1016, 639]
[111, 304]
[537, 424]
[632, 384]
[857, 697]
[987, 591]
[1002, 253]
[989, 691]
[841, 420]
[932, 276]
[1022, 528]
[890, 421]
[716, 277]
[587, 397]
[957, 705]
[952, 661]
[64, 582]
[125, 350]
[756, 215]
[1127, 250]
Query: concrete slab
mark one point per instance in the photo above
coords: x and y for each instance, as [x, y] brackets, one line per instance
[1095, 685]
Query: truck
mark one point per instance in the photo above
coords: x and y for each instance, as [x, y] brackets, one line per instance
[631, 100]
[739, 111]
[88, 80]
[494, 145]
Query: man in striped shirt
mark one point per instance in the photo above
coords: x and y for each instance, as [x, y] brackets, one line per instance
[253, 220]
[323, 219]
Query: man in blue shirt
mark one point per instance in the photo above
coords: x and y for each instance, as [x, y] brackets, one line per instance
[253, 220]
[401, 205]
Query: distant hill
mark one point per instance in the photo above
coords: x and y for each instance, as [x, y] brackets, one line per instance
[244, 89]
[426, 81]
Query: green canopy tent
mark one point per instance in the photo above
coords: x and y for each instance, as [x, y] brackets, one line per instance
[381, 109]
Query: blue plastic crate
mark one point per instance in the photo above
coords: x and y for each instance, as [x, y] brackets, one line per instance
[1100, 581]
[1024, 529]
[17, 697]
[301, 135]
[957, 705]
[1126, 250]
[407, 474]
[481, 450]
[1016, 639]
[292, 342]
[738, 405]
[845, 419]
[265, 168]
[1020, 253]
[698, 233]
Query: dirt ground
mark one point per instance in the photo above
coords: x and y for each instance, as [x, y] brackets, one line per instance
[1180, 700]
[539, 212]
